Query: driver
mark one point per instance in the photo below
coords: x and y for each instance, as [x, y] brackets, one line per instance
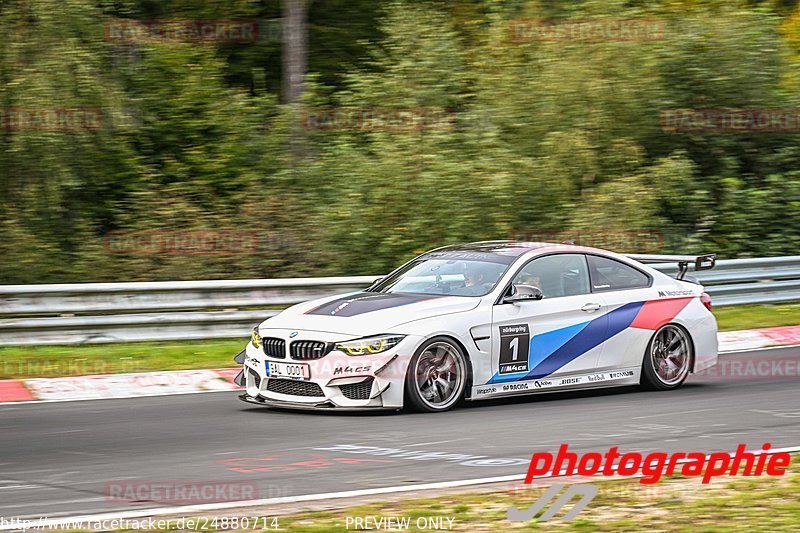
[473, 283]
[530, 279]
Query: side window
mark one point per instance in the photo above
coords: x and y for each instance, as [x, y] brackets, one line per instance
[612, 275]
[556, 275]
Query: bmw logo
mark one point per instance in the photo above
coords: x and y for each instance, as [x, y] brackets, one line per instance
[292, 335]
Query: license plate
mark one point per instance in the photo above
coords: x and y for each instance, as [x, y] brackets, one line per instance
[285, 370]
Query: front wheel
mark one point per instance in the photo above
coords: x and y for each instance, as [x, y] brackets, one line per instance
[437, 376]
[668, 359]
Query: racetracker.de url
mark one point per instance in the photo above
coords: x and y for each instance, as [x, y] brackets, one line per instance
[210, 523]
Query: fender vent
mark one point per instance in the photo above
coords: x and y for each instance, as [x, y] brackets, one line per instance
[255, 377]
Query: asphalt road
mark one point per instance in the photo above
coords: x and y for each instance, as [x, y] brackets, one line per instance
[58, 459]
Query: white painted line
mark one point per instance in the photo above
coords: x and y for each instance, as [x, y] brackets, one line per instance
[191, 510]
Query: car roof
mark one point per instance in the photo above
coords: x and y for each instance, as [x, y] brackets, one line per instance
[516, 248]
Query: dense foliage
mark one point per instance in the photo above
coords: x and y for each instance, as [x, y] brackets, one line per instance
[547, 137]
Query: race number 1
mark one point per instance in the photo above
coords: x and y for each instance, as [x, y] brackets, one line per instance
[514, 345]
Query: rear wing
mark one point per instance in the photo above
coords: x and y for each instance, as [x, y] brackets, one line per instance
[700, 262]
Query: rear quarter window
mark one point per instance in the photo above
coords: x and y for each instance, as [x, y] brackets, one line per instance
[611, 275]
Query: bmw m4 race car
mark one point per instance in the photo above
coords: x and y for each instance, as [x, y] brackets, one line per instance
[484, 320]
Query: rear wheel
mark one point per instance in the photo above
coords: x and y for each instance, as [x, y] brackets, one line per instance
[437, 376]
[668, 359]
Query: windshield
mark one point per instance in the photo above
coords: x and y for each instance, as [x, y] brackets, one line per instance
[447, 274]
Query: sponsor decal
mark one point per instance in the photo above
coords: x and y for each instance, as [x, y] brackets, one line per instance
[674, 294]
[514, 347]
[624, 374]
[555, 383]
[552, 350]
[350, 370]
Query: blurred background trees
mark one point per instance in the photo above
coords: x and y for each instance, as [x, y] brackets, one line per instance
[547, 137]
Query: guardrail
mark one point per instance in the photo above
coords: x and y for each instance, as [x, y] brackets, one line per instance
[125, 312]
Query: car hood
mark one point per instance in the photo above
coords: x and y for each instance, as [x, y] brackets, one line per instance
[367, 313]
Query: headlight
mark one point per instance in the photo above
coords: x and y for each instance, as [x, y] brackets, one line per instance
[255, 338]
[370, 345]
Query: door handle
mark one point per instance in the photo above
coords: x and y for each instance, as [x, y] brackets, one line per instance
[590, 308]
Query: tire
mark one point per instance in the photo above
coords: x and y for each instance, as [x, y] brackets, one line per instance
[668, 359]
[437, 376]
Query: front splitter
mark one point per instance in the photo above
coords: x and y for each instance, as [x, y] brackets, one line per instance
[321, 406]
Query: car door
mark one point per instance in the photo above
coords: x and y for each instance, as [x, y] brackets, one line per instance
[554, 336]
[624, 289]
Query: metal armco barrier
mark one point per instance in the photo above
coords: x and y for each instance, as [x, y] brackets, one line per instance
[125, 312]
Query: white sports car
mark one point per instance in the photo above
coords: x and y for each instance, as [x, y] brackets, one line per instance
[485, 320]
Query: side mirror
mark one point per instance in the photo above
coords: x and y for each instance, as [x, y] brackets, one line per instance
[523, 293]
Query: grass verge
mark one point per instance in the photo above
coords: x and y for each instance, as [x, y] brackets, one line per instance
[51, 361]
[757, 316]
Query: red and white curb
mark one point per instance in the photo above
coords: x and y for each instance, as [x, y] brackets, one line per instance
[755, 339]
[112, 386]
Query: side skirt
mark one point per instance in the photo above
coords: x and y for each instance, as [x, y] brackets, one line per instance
[597, 380]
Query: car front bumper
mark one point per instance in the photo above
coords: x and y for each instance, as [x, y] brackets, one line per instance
[337, 381]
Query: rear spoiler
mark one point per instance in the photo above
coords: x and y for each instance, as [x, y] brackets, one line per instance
[700, 262]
